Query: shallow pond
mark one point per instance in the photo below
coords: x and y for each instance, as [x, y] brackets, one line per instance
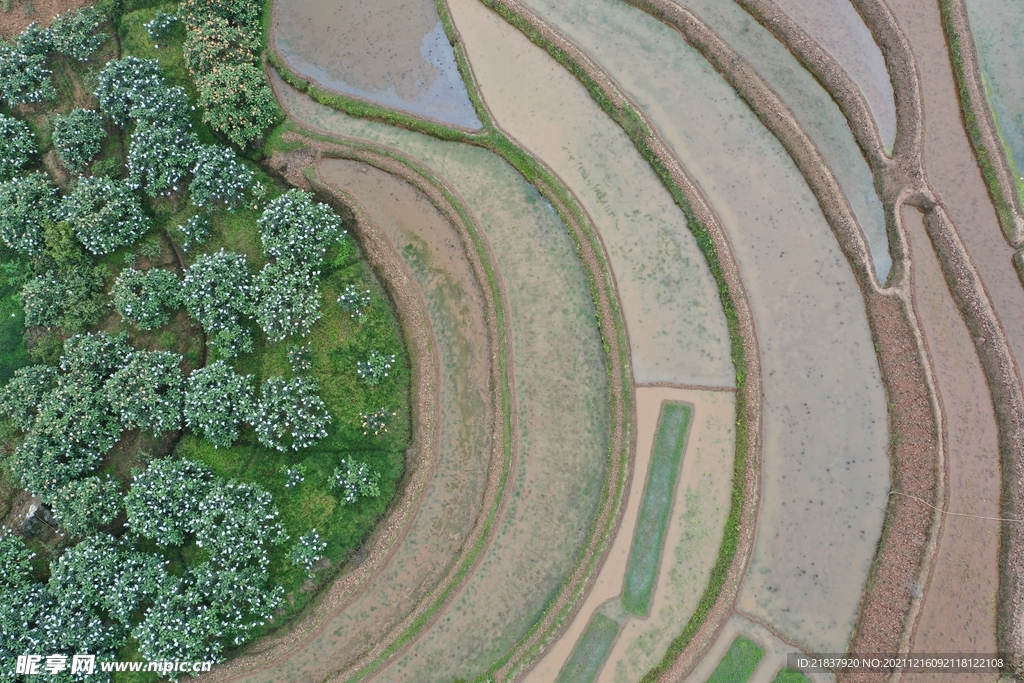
[998, 27]
[826, 465]
[561, 398]
[677, 329]
[392, 52]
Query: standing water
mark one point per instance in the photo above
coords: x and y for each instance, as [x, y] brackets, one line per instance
[390, 52]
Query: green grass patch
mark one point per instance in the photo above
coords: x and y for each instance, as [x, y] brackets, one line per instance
[739, 662]
[788, 675]
[656, 508]
[591, 651]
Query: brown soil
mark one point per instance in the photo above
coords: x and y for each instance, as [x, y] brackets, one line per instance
[958, 613]
[24, 12]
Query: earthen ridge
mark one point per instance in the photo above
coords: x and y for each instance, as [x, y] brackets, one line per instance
[982, 129]
[751, 392]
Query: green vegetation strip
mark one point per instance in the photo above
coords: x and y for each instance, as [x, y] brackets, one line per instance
[788, 675]
[649, 538]
[1003, 204]
[739, 662]
[591, 651]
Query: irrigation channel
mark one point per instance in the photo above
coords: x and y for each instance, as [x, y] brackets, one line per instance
[722, 309]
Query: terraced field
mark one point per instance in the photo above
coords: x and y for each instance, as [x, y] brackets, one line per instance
[715, 308]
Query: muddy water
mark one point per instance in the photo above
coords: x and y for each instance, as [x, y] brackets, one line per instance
[676, 325]
[838, 28]
[434, 256]
[694, 532]
[826, 468]
[691, 545]
[562, 400]
[775, 652]
[392, 52]
[959, 610]
[951, 168]
[811, 104]
[815, 110]
[998, 27]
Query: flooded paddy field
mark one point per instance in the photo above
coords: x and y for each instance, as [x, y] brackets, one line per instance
[391, 52]
[837, 27]
[677, 328]
[959, 609]
[561, 398]
[825, 461]
[696, 525]
[998, 28]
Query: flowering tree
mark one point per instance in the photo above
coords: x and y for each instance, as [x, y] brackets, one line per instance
[217, 401]
[24, 78]
[105, 214]
[164, 500]
[217, 293]
[356, 480]
[288, 301]
[82, 505]
[163, 149]
[148, 392]
[298, 231]
[74, 34]
[290, 414]
[93, 358]
[78, 138]
[308, 551]
[34, 40]
[22, 398]
[26, 203]
[237, 102]
[219, 178]
[194, 230]
[214, 41]
[376, 421]
[17, 146]
[143, 297]
[125, 83]
[355, 301]
[161, 26]
[376, 368]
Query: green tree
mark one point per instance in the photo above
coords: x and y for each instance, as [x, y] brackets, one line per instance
[24, 79]
[217, 293]
[68, 290]
[22, 398]
[165, 500]
[219, 178]
[144, 297]
[308, 550]
[217, 402]
[126, 83]
[148, 392]
[290, 414]
[74, 33]
[288, 301]
[78, 138]
[82, 505]
[298, 231]
[105, 214]
[17, 146]
[356, 480]
[237, 102]
[26, 204]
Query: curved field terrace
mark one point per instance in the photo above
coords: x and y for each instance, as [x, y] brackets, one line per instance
[510, 340]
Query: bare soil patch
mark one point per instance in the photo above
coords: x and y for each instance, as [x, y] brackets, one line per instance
[24, 12]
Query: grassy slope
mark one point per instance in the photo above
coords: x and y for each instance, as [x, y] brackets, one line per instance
[338, 342]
